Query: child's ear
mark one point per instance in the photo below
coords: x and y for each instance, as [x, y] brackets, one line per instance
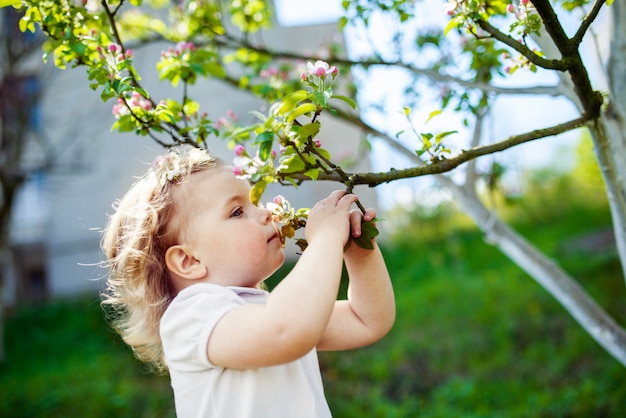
[183, 264]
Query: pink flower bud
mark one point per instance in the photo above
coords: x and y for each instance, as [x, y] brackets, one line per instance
[157, 161]
[240, 150]
[524, 2]
[320, 72]
[113, 48]
[510, 8]
[278, 200]
[317, 143]
[238, 171]
[303, 76]
[231, 115]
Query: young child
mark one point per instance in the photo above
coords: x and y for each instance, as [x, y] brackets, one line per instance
[187, 252]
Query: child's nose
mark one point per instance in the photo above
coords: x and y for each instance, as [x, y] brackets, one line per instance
[266, 215]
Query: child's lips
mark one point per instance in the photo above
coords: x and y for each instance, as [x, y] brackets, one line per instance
[278, 234]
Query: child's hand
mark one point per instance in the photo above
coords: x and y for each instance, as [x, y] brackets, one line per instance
[363, 239]
[331, 217]
[357, 218]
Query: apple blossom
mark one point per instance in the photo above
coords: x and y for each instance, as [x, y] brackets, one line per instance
[168, 165]
[321, 69]
[240, 150]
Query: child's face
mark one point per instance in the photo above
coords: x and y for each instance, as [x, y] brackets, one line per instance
[235, 239]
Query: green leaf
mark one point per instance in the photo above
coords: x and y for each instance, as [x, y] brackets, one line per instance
[369, 228]
[345, 99]
[453, 23]
[301, 110]
[343, 21]
[290, 101]
[308, 130]
[257, 191]
[433, 114]
[442, 135]
[292, 164]
[364, 242]
[320, 98]
[300, 242]
[263, 137]
[15, 3]
[368, 233]
[265, 150]
[313, 173]
[243, 131]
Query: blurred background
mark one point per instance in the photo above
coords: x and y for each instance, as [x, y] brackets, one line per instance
[474, 336]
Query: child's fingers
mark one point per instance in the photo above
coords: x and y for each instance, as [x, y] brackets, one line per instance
[370, 213]
[347, 200]
[355, 223]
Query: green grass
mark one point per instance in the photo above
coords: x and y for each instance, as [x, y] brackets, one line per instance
[62, 361]
[475, 337]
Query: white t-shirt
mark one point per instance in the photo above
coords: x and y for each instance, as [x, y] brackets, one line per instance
[201, 389]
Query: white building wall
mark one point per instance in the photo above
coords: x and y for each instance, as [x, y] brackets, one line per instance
[97, 166]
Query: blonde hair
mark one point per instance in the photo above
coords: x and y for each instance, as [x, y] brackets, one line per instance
[134, 242]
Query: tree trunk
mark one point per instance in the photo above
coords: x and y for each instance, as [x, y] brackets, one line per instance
[576, 301]
[546, 272]
[609, 134]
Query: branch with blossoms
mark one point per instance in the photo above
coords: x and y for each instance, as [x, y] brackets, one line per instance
[288, 150]
[287, 147]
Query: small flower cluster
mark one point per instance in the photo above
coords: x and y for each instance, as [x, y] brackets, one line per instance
[464, 7]
[527, 20]
[522, 11]
[281, 209]
[319, 70]
[273, 73]
[92, 6]
[520, 61]
[180, 49]
[287, 217]
[227, 121]
[451, 7]
[249, 167]
[167, 165]
[136, 101]
[114, 54]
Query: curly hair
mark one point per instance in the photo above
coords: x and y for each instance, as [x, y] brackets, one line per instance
[134, 243]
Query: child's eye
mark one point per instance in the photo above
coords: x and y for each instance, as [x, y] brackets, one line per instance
[237, 213]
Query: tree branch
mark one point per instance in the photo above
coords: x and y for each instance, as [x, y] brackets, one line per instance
[590, 99]
[587, 21]
[550, 64]
[443, 166]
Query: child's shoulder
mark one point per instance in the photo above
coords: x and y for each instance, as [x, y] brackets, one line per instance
[204, 292]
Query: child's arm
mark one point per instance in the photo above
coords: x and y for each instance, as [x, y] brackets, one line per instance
[295, 316]
[369, 312]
